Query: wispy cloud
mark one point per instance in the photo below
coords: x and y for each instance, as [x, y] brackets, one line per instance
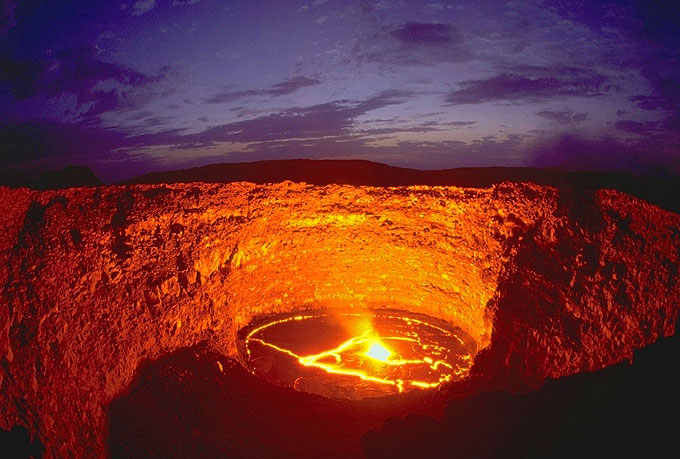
[645, 128]
[425, 33]
[322, 120]
[283, 88]
[79, 74]
[664, 96]
[435, 6]
[142, 7]
[563, 117]
[413, 43]
[513, 87]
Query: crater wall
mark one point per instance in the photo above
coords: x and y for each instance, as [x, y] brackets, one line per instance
[95, 281]
[587, 283]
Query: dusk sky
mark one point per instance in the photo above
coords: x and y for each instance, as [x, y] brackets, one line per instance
[137, 86]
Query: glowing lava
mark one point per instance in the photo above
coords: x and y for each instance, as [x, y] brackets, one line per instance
[355, 355]
[378, 352]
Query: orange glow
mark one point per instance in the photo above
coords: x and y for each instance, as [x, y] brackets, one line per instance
[402, 359]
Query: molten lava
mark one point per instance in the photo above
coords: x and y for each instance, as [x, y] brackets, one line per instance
[378, 352]
[356, 355]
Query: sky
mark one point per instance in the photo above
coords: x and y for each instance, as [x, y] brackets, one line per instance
[129, 87]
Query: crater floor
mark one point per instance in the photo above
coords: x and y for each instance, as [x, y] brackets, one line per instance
[357, 354]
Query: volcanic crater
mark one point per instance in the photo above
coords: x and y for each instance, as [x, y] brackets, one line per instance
[125, 307]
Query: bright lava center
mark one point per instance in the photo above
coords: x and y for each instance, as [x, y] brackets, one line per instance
[378, 352]
[358, 354]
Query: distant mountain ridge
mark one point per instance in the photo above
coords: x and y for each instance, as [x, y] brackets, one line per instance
[659, 190]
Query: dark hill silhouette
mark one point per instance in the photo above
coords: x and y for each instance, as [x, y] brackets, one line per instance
[660, 190]
[70, 176]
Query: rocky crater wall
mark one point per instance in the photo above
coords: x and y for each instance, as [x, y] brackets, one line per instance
[95, 281]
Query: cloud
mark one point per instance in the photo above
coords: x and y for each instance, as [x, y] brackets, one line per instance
[430, 126]
[367, 7]
[636, 127]
[142, 7]
[7, 20]
[150, 123]
[460, 123]
[96, 86]
[665, 92]
[283, 88]
[184, 2]
[412, 43]
[292, 84]
[424, 33]
[513, 87]
[323, 120]
[319, 2]
[68, 70]
[140, 115]
[563, 117]
[321, 19]
[435, 6]
[665, 96]
[657, 20]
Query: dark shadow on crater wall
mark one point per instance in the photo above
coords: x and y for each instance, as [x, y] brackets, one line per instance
[620, 411]
[17, 443]
[198, 403]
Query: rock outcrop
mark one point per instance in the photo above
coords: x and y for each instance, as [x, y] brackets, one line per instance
[95, 281]
[590, 281]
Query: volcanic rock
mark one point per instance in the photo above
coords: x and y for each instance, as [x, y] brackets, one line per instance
[97, 281]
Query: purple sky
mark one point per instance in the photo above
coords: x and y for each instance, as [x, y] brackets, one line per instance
[136, 86]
